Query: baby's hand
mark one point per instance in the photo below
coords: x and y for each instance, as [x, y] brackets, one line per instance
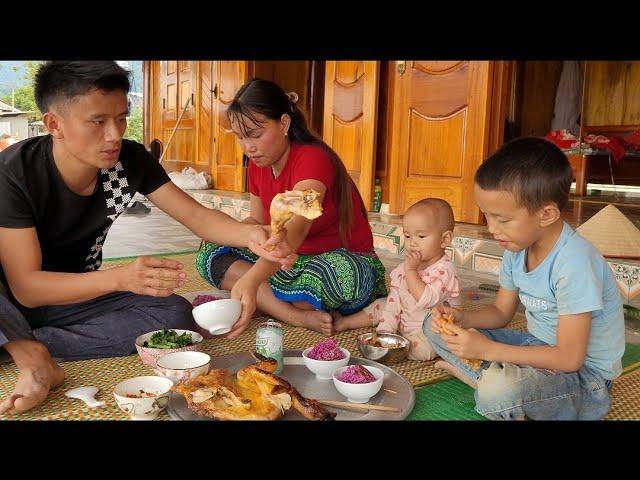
[412, 261]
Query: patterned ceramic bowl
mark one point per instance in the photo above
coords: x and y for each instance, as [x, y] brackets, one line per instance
[143, 398]
[183, 366]
[149, 355]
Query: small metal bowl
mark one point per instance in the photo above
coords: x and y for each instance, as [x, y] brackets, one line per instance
[395, 350]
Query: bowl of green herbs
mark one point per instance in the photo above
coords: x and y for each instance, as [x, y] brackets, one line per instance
[154, 344]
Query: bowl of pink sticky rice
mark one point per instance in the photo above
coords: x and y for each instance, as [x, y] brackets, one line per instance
[325, 357]
[358, 382]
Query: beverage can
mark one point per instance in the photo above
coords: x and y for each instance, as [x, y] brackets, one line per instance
[270, 341]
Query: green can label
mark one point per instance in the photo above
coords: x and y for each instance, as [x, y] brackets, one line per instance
[270, 341]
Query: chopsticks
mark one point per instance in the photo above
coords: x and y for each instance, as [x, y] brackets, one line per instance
[357, 406]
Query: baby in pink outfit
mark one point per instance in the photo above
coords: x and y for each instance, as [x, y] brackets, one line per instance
[426, 277]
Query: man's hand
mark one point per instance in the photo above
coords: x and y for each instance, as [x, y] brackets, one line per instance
[157, 277]
[274, 249]
[412, 260]
[245, 290]
[467, 343]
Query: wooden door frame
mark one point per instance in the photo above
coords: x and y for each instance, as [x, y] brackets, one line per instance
[146, 102]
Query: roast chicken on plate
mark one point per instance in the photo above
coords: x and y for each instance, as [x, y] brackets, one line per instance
[254, 393]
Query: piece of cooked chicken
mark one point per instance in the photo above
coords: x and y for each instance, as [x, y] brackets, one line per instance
[254, 394]
[473, 363]
[293, 202]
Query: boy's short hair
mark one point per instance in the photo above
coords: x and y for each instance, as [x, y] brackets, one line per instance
[58, 81]
[533, 169]
[442, 209]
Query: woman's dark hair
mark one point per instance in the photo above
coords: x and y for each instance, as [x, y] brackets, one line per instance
[58, 81]
[533, 169]
[269, 99]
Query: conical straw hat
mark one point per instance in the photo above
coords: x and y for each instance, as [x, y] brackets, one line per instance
[613, 234]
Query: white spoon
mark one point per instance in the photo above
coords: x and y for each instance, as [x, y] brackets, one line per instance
[86, 394]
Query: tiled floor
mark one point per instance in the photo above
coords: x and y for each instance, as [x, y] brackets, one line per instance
[156, 232]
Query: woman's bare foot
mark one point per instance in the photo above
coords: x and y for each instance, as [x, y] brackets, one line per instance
[350, 322]
[442, 365]
[317, 320]
[339, 324]
[37, 375]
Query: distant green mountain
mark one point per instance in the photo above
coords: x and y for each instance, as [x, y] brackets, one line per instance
[12, 73]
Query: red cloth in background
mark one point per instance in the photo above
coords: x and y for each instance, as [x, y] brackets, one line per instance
[563, 139]
[633, 140]
[615, 145]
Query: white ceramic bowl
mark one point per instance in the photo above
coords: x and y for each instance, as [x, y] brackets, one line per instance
[150, 355]
[325, 368]
[359, 392]
[143, 398]
[217, 317]
[182, 366]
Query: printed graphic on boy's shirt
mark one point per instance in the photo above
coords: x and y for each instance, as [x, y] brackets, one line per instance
[533, 303]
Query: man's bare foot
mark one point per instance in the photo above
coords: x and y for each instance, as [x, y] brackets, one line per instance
[37, 374]
[318, 320]
[32, 388]
[442, 365]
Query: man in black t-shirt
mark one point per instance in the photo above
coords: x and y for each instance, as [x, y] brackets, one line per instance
[59, 195]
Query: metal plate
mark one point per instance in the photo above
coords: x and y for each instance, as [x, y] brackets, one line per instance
[303, 380]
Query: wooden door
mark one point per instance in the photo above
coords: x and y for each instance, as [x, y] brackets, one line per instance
[169, 89]
[228, 170]
[183, 144]
[154, 96]
[169, 108]
[177, 81]
[204, 116]
[350, 111]
[440, 133]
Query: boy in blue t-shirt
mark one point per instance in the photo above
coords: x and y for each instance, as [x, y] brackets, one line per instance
[564, 366]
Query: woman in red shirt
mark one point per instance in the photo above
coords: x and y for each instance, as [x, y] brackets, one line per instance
[337, 268]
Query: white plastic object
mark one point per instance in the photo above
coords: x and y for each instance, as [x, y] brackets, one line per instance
[86, 394]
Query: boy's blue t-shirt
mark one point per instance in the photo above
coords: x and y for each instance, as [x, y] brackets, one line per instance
[574, 278]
